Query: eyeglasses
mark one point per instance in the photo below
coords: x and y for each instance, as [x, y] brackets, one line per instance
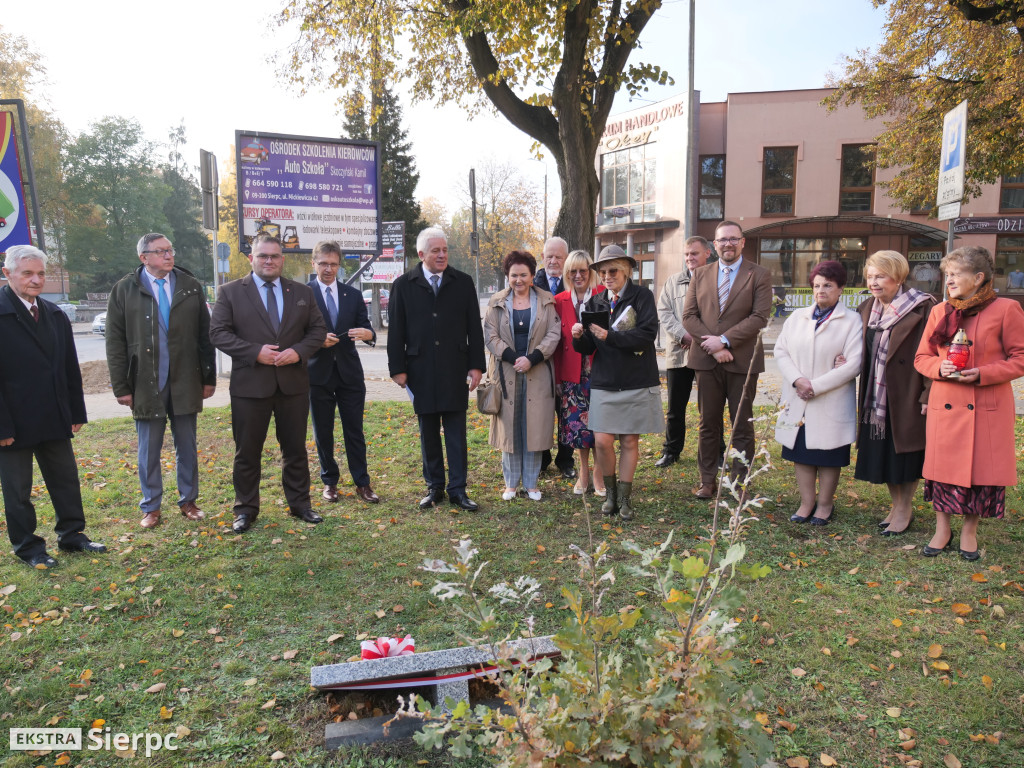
[268, 256]
[327, 265]
[729, 241]
[609, 271]
[579, 271]
[161, 252]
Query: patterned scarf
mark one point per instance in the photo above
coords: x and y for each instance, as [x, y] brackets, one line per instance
[957, 310]
[883, 318]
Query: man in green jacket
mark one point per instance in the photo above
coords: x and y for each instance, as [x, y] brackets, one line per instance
[161, 363]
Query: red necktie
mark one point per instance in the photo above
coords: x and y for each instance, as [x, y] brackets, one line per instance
[35, 312]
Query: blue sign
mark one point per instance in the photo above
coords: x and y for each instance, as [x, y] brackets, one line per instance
[14, 223]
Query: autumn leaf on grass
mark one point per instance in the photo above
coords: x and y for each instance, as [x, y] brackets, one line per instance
[894, 711]
[798, 672]
[827, 759]
[250, 682]
[940, 665]
[62, 759]
[166, 714]
[979, 578]
[961, 609]
[798, 762]
[951, 761]
[289, 654]
[269, 704]
[156, 687]
[278, 755]
[986, 681]
[934, 651]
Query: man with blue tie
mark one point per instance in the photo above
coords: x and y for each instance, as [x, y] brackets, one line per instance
[270, 326]
[161, 365]
[336, 374]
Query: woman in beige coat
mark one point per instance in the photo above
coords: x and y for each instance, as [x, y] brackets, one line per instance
[819, 356]
[522, 330]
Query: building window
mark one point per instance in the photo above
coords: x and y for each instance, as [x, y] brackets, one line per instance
[857, 178]
[790, 260]
[1009, 272]
[1011, 194]
[778, 183]
[712, 187]
[627, 185]
[924, 255]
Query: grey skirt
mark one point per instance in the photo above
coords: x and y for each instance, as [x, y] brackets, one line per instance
[631, 412]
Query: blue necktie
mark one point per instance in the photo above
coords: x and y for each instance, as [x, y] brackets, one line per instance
[332, 308]
[161, 298]
[435, 281]
[554, 285]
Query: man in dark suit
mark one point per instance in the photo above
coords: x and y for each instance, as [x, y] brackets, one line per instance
[556, 251]
[436, 351]
[41, 408]
[336, 374]
[161, 366]
[270, 326]
[726, 306]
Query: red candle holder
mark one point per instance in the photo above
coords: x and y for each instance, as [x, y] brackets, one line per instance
[959, 352]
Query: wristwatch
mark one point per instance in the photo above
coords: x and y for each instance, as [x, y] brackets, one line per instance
[724, 340]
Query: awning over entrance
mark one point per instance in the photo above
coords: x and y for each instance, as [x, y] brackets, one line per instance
[844, 226]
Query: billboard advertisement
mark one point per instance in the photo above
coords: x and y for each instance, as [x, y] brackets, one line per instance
[14, 215]
[304, 189]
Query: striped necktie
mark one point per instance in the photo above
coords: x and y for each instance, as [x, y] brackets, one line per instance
[723, 289]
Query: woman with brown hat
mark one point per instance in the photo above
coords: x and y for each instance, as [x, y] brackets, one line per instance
[619, 327]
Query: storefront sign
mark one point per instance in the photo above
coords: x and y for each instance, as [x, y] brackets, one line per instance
[303, 189]
[13, 211]
[802, 297]
[991, 225]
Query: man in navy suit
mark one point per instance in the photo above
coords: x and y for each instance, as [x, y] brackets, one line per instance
[336, 374]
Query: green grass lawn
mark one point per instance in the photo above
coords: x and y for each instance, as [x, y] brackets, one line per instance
[868, 654]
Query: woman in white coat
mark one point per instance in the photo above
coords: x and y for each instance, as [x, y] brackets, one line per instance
[818, 354]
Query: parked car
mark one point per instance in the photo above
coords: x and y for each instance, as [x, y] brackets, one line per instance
[368, 300]
[99, 324]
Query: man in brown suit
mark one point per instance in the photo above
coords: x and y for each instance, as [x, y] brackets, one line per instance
[270, 326]
[726, 306]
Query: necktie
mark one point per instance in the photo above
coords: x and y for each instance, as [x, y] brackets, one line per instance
[554, 285]
[723, 289]
[35, 312]
[272, 310]
[161, 300]
[613, 302]
[435, 281]
[332, 308]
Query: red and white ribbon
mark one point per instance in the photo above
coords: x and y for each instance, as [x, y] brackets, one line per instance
[384, 647]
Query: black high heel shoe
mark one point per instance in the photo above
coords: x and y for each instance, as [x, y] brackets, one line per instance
[970, 556]
[887, 533]
[823, 520]
[927, 551]
[795, 518]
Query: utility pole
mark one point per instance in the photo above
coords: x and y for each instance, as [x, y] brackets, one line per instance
[474, 238]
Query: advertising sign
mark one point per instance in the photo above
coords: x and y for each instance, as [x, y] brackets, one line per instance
[14, 219]
[989, 225]
[391, 262]
[954, 155]
[304, 189]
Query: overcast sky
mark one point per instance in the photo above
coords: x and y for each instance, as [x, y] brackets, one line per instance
[211, 64]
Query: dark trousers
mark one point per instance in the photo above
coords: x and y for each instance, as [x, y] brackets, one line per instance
[679, 382]
[250, 420]
[454, 423]
[57, 464]
[715, 389]
[350, 400]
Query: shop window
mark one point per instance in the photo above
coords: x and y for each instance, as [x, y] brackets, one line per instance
[778, 181]
[1011, 193]
[628, 181]
[712, 188]
[857, 178]
[924, 256]
[790, 260]
[1009, 273]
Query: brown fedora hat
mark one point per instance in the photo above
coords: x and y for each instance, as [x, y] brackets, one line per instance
[612, 253]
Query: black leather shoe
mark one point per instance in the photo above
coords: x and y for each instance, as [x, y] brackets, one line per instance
[41, 561]
[824, 520]
[432, 499]
[568, 472]
[888, 532]
[83, 545]
[307, 516]
[464, 501]
[242, 523]
[927, 551]
[666, 460]
[795, 518]
[970, 556]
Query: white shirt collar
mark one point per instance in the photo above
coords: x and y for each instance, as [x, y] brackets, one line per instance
[276, 282]
[28, 304]
[324, 286]
[427, 273]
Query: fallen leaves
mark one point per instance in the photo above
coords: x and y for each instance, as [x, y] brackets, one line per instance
[827, 759]
[798, 672]
[961, 609]
[894, 711]
[156, 687]
[798, 762]
[951, 761]
[986, 681]
[934, 651]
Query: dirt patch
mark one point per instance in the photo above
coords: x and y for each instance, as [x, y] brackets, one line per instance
[95, 377]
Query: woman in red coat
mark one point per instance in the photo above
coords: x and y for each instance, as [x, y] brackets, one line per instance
[572, 370]
[969, 452]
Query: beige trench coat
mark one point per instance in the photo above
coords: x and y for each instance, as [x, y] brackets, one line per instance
[540, 379]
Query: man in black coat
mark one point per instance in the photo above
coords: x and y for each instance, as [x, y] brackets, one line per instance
[550, 278]
[41, 407]
[336, 374]
[436, 351]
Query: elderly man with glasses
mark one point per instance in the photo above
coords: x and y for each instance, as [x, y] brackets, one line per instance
[161, 365]
[726, 307]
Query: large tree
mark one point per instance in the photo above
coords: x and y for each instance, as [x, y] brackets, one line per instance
[118, 195]
[935, 54]
[552, 68]
[382, 122]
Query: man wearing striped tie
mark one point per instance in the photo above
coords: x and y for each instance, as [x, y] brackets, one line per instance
[725, 309]
[161, 364]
